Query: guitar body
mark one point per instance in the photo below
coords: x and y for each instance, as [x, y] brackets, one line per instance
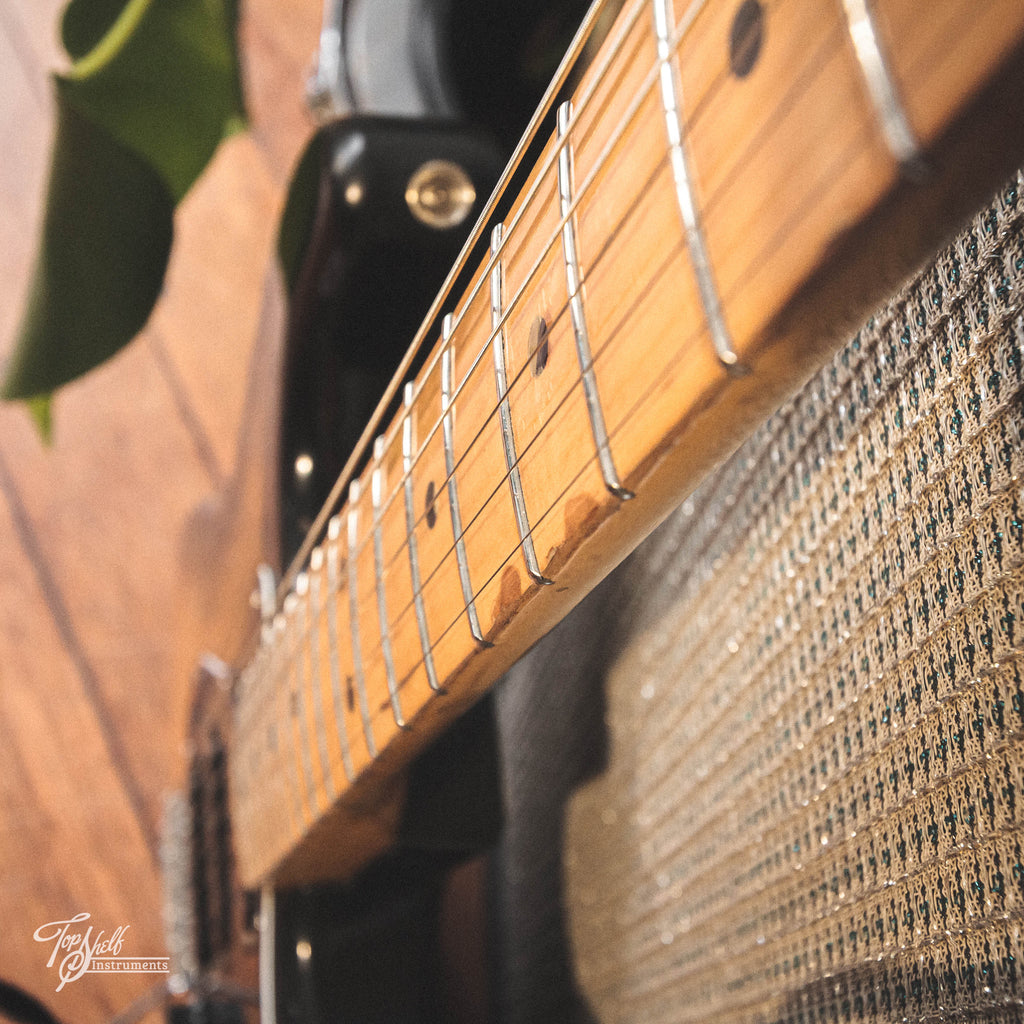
[768, 770]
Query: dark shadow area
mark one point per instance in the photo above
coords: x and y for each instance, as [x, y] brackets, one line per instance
[552, 739]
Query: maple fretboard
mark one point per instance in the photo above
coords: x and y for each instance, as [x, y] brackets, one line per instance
[730, 188]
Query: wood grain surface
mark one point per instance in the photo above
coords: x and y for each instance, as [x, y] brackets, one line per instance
[126, 547]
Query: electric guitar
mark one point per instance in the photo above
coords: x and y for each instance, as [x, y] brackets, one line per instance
[693, 224]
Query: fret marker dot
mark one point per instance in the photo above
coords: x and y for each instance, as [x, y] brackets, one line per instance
[539, 345]
[746, 37]
[431, 511]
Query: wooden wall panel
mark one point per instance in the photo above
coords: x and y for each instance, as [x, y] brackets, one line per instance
[127, 547]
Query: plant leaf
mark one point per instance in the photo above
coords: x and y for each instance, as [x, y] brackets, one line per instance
[86, 22]
[163, 80]
[105, 245]
[153, 89]
[41, 410]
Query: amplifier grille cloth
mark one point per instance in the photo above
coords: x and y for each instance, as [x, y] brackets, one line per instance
[813, 805]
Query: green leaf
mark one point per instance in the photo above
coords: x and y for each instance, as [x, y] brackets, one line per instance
[163, 80]
[105, 245]
[153, 89]
[41, 410]
[86, 22]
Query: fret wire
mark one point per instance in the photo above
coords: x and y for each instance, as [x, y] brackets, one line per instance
[460, 389]
[552, 241]
[574, 288]
[446, 326]
[542, 517]
[647, 85]
[493, 578]
[528, 197]
[410, 532]
[760, 258]
[889, 110]
[334, 587]
[271, 699]
[378, 566]
[456, 318]
[259, 715]
[683, 352]
[517, 298]
[614, 48]
[313, 616]
[294, 606]
[623, 124]
[353, 616]
[458, 534]
[625, 121]
[515, 482]
[686, 196]
[284, 737]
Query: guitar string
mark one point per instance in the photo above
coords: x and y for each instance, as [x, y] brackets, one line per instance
[827, 47]
[540, 179]
[714, 197]
[422, 337]
[582, 103]
[813, 66]
[684, 350]
[271, 673]
[565, 397]
[585, 98]
[569, 393]
[555, 504]
[377, 715]
[712, 202]
[829, 173]
[275, 670]
[639, 403]
[516, 301]
[485, 584]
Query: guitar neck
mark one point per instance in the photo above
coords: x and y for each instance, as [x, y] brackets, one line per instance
[730, 189]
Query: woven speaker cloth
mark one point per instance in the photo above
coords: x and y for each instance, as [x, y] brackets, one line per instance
[813, 800]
